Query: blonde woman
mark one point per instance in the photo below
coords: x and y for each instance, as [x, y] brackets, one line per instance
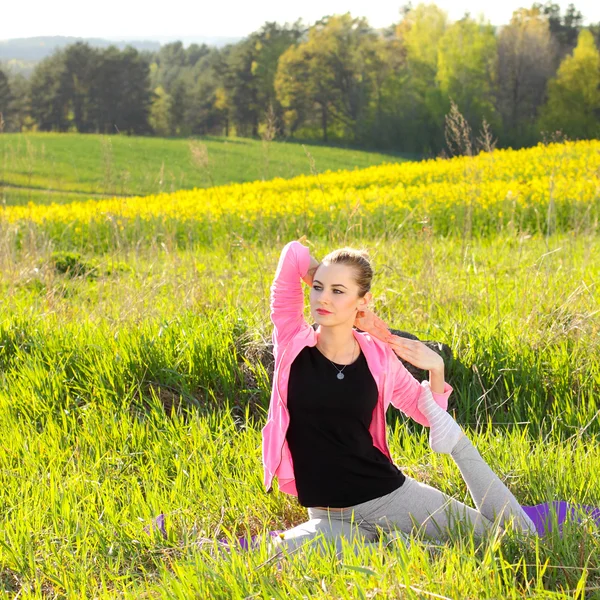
[325, 438]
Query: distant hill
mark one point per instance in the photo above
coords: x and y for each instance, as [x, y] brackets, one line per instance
[38, 48]
[34, 49]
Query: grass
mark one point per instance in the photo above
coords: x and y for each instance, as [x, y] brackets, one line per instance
[522, 318]
[134, 380]
[51, 167]
[133, 385]
[90, 480]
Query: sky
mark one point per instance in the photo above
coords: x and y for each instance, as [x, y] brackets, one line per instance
[132, 19]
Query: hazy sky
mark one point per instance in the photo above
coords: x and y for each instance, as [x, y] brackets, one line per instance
[127, 18]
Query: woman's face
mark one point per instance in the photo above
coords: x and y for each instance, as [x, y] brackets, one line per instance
[334, 296]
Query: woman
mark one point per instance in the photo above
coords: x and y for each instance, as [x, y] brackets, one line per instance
[325, 434]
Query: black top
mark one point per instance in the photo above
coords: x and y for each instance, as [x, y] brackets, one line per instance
[335, 461]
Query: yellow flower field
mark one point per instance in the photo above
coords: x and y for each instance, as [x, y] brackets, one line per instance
[556, 185]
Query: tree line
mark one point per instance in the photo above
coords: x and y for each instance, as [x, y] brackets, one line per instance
[337, 81]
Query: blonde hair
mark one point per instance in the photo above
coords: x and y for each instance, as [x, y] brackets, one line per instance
[359, 261]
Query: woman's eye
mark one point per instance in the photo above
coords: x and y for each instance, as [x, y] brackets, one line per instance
[338, 291]
[316, 287]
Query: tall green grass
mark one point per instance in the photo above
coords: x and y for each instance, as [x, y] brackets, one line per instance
[521, 317]
[78, 490]
[135, 382]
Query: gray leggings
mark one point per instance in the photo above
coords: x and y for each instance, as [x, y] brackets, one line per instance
[416, 508]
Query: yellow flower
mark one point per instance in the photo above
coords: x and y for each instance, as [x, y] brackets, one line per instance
[489, 189]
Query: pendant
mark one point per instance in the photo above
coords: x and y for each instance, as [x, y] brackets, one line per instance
[340, 376]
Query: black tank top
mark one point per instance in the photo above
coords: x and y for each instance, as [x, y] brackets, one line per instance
[335, 461]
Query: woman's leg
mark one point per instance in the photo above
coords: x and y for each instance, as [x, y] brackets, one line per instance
[492, 498]
[417, 508]
[328, 524]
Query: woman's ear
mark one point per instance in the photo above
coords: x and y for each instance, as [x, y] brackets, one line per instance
[365, 301]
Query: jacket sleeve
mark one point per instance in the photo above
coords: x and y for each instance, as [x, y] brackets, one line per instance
[287, 296]
[407, 391]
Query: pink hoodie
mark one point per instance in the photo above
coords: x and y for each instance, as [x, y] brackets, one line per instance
[292, 333]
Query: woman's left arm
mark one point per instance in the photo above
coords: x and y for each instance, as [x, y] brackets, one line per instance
[418, 354]
[406, 388]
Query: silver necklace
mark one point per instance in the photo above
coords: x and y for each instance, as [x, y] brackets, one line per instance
[340, 375]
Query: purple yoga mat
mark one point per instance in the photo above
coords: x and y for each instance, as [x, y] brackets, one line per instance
[544, 517]
[542, 514]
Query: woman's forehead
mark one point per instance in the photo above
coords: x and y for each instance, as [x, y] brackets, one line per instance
[335, 273]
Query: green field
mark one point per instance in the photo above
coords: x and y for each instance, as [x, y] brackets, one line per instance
[137, 389]
[53, 167]
[134, 381]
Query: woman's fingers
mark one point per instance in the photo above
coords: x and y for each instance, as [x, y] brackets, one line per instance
[416, 353]
[400, 344]
[398, 349]
[382, 333]
[369, 322]
[407, 343]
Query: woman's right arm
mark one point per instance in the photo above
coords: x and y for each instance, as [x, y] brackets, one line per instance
[287, 296]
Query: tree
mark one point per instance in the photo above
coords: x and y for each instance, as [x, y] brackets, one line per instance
[379, 125]
[242, 88]
[421, 31]
[179, 102]
[205, 110]
[80, 64]
[50, 94]
[563, 29]
[121, 92]
[525, 63]
[195, 52]
[595, 30]
[171, 61]
[573, 105]
[5, 101]
[294, 92]
[270, 42]
[136, 95]
[417, 94]
[332, 72]
[160, 113]
[174, 71]
[19, 112]
[466, 69]
[249, 74]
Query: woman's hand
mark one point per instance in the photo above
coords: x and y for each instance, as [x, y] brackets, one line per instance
[368, 321]
[416, 353]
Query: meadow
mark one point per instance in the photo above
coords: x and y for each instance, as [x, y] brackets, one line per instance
[57, 167]
[134, 377]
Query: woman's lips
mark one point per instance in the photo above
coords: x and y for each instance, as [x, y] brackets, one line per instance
[322, 311]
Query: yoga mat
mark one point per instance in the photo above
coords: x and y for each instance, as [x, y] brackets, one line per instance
[544, 516]
[541, 514]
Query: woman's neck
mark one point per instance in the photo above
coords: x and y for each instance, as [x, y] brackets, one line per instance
[336, 342]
